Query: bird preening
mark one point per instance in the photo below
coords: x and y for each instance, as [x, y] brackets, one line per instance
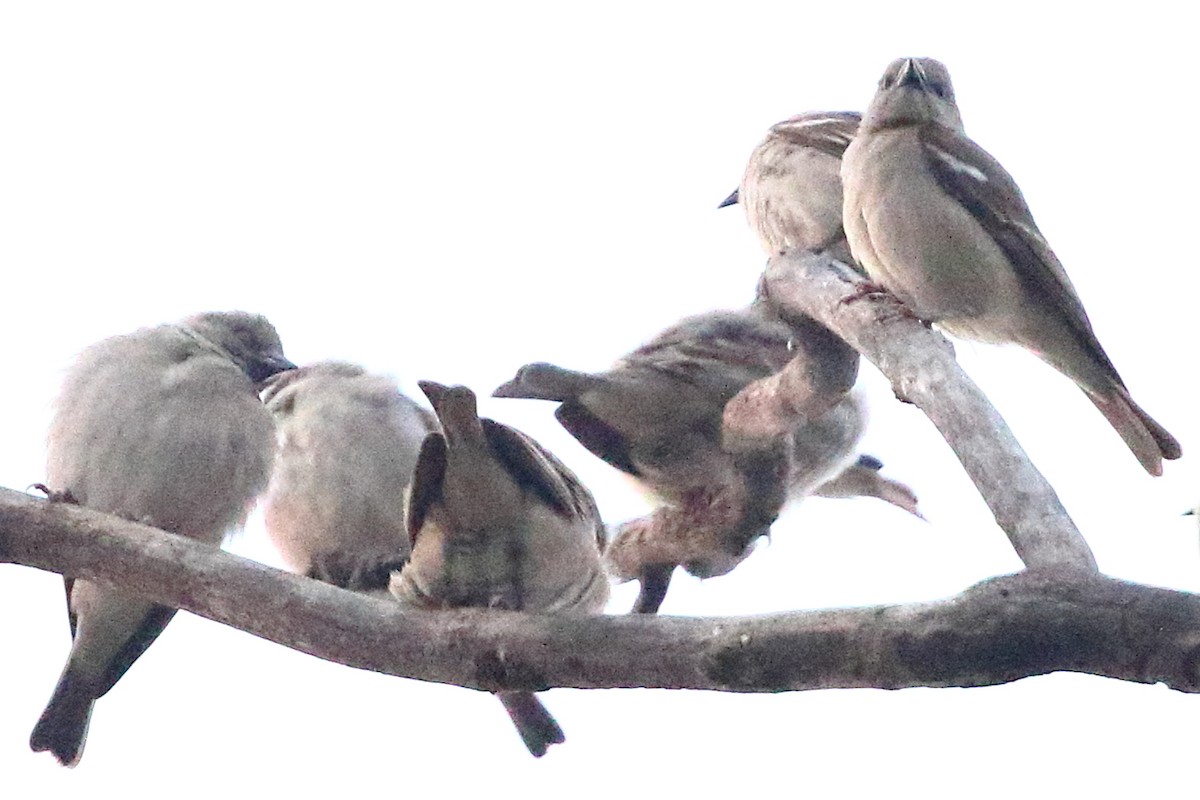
[185, 426]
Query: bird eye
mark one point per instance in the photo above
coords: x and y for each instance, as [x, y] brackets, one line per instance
[939, 88]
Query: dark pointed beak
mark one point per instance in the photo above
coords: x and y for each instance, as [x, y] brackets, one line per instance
[268, 366]
[911, 74]
[510, 389]
[731, 200]
[870, 462]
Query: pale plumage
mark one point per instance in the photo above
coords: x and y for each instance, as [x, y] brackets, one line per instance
[161, 426]
[939, 223]
[792, 187]
[347, 444]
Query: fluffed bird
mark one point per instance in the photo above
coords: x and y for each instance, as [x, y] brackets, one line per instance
[936, 221]
[792, 187]
[347, 445]
[657, 416]
[496, 521]
[161, 426]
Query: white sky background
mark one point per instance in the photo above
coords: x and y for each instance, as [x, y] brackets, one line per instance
[450, 194]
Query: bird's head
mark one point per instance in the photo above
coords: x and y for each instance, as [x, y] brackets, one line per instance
[249, 339]
[914, 91]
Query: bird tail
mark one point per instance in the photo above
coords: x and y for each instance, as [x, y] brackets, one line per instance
[537, 728]
[1149, 441]
[456, 410]
[863, 479]
[546, 382]
[63, 726]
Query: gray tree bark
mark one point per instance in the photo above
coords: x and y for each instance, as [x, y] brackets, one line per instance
[999, 630]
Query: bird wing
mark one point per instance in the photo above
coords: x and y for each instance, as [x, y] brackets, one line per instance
[830, 133]
[718, 352]
[534, 469]
[971, 176]
[72, 617]
[601, 439]
[426, 486]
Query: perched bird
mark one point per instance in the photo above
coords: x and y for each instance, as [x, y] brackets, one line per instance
[657, 415]
[792, 189]
[496, 521]
[161, 426]
[347, 445]
[939, 223]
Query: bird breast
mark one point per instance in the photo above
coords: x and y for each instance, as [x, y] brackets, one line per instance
[921, 245]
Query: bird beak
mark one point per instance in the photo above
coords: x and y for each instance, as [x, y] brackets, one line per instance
[510, 389]
[731, 200]
[271, 365]
[911, 74]
[281, 364]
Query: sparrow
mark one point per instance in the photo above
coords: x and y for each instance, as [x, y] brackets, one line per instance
[938, 222]
[496, 521]
[657, 415]
[792, 188]
[347, 445]
[161, 426]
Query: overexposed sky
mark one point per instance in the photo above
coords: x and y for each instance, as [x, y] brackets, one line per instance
[450, 192]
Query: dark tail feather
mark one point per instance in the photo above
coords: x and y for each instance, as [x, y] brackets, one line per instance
[63, 726]
[1149, 441]
[537, 728]
[546, 382]
[1168, 445]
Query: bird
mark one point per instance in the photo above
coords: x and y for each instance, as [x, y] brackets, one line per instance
[792, 188]
[497, 521]
[347, 445]
[657, 416]
[161, 426]
[939, 223]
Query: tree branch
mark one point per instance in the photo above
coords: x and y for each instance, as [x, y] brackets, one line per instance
[997, 631]
[921, 366]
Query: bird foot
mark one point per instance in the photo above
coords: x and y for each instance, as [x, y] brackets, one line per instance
[363, 573]
[866, 290]
[892, 307]
[54, 496]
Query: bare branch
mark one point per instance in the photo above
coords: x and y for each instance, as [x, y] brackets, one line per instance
[921, 366]
[997, 631]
